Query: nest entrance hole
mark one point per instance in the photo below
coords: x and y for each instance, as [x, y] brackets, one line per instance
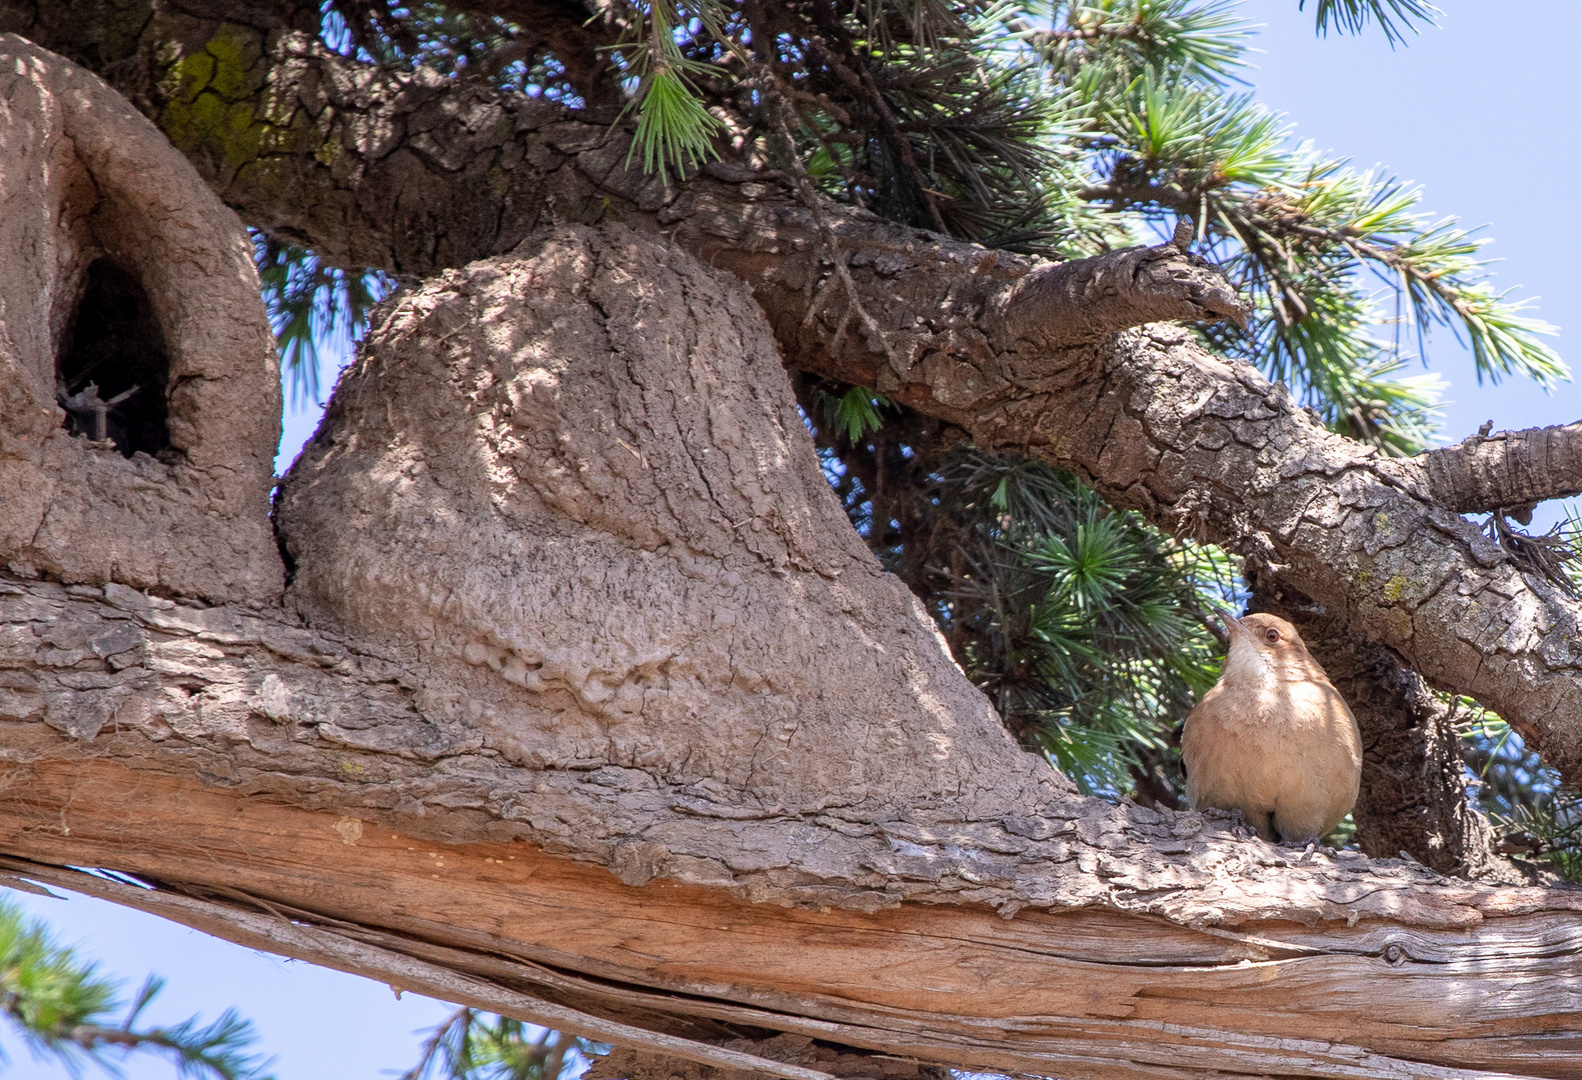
[112, 375]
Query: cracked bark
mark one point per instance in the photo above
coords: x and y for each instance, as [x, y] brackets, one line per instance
[1506, 469]
[426, 175]
[585, 705]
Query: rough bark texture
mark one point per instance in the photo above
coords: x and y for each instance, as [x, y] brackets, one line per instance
[368, 781]
[1506, 469]
[580, 666]
[413, 173]
[84, 179]
[626, 1064]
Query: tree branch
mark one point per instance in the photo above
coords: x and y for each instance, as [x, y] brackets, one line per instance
[574, 35]
[1061, 305]
[1505, 470]
[603, 703]
[1199, 444]
[1076, 992]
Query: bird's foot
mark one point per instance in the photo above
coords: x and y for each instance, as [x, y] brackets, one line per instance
[1308, 846]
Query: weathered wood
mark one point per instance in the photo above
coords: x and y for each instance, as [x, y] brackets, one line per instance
[1202, 447]
[585, 704]
[1081, 993]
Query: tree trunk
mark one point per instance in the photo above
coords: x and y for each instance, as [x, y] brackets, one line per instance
[415, 173]
[584, 704]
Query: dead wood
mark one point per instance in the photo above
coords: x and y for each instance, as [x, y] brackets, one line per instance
[465, 759]
[1200, 445]
[585, 705]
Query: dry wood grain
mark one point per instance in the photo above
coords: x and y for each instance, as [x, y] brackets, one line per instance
[626, 855]
[1087, 993]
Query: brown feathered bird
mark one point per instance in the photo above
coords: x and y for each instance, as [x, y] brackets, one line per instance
[1273, 738]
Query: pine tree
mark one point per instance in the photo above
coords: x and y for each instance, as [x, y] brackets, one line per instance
[1061, 128]
[62, 1007]
[1065, 129]
[1057, 128]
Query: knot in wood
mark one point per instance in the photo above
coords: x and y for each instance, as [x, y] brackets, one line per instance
[1395, 954]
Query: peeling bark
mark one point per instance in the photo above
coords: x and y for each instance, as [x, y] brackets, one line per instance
[1198, 444]
[1072, 992]
[440, 782]
[585, 705]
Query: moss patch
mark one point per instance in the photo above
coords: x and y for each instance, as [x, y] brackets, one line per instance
[209, 101]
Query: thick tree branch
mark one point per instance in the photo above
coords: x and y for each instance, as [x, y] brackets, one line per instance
[581, 662]
[1505, 470]
[579, 40]
[414, 173]
[442, 902]
[1060, 305]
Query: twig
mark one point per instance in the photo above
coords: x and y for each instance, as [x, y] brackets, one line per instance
[809, 196]
[1546, 555]
[862, 84]
[88, 403]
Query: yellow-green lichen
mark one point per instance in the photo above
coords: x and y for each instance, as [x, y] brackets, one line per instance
[190, 76]
[208, 105]
[1381, 522]
[229, 48]
[1395, 588]
[1400, 622]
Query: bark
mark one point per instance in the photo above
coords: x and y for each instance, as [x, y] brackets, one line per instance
[1506, 469]
[412, 173]
[1200, 445]
[584, 704]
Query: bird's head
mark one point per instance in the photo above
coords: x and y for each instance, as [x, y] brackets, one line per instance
[1267, 648]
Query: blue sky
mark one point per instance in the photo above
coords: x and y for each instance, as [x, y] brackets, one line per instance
[1480, 112]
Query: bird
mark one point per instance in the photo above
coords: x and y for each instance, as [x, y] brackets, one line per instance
[1273, 738]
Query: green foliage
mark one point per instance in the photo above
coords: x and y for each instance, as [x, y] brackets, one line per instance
[1083, 624]
[855, 413]
[311, 304]
[674, 129]
[1303, 236]
[62, 1007]
[1066, 127]
[1394, 17]
[473, 1045]
[1110, 42]
[1534, 815]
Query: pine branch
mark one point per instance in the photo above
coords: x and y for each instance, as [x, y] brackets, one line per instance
[59, 1004]
[312, 304]
[1395, 17]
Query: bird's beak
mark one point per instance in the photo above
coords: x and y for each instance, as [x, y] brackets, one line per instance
[1233, 625]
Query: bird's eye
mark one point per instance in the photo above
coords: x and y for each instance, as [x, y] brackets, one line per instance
[1271, 634]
